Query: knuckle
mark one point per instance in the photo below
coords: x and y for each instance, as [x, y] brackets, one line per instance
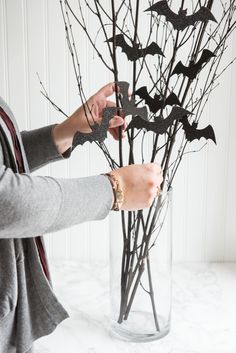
[152, 183]
[149, 166]
[150, 193]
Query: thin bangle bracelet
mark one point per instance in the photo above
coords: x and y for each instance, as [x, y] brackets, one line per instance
[117, 191]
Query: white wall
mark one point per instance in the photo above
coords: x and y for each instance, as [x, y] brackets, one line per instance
[32, 40]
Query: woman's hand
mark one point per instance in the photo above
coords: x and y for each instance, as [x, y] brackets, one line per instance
[140, 184]
[63, 133]
[94, 110]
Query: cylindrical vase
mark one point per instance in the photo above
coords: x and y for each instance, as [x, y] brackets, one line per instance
[140, 271]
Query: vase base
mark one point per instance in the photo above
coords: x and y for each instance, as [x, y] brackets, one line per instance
[133, 333]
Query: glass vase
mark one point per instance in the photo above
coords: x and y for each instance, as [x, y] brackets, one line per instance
[140, 271]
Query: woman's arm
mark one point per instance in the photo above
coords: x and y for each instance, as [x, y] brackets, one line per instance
[40, 147]
[54, 142]
[63, 133]
[36, 205]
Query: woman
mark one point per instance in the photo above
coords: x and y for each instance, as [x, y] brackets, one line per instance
[33, 205]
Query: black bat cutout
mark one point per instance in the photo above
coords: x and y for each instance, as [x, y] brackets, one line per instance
[99, 131]
[157, 102]
[192, 70]
[128, 104]
[134, 53]
[160, 126]
[192, 133]
[181, 20]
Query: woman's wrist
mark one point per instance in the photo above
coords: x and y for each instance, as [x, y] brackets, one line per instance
[63, 134]
[118, 192]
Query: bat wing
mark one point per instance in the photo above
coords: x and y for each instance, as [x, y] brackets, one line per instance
[180, 69]
[154, 104]
[118, 39]
[177, 113]
[130, 52]
[205, 57]
[192, 70]
[99, 131]
[135, 111]
[142, 92]
[80, 138]
[128, 105]
[160, 126]
[124, 88]
[139, 123]
[202, 15]
[192, 133]
[208, 133]
[162, 8]
[172, 100]
[134, 54]
[196, 68]
[152, 49]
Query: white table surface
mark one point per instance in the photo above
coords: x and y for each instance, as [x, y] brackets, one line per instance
[203, 314]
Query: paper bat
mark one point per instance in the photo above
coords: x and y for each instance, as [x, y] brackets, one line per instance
[192, 70]
[134, 53]
[192, 133]
[128, 103]
[99, 131]
[157, 102]
[160, 126]
[181, 21]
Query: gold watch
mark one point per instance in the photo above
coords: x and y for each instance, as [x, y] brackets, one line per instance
[117, 191]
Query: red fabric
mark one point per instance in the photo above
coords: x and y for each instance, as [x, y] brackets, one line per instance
[20, 164]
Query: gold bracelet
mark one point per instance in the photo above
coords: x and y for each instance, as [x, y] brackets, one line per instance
[117, 191]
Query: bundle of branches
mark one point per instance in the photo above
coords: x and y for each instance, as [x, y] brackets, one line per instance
[179, 64]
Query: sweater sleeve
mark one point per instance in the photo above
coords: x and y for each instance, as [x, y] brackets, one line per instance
[40, 148]
[36, 205]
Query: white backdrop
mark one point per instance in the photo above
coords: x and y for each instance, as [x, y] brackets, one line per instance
[32, 39]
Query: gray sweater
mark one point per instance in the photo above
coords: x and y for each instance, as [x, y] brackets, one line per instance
[32, 206]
